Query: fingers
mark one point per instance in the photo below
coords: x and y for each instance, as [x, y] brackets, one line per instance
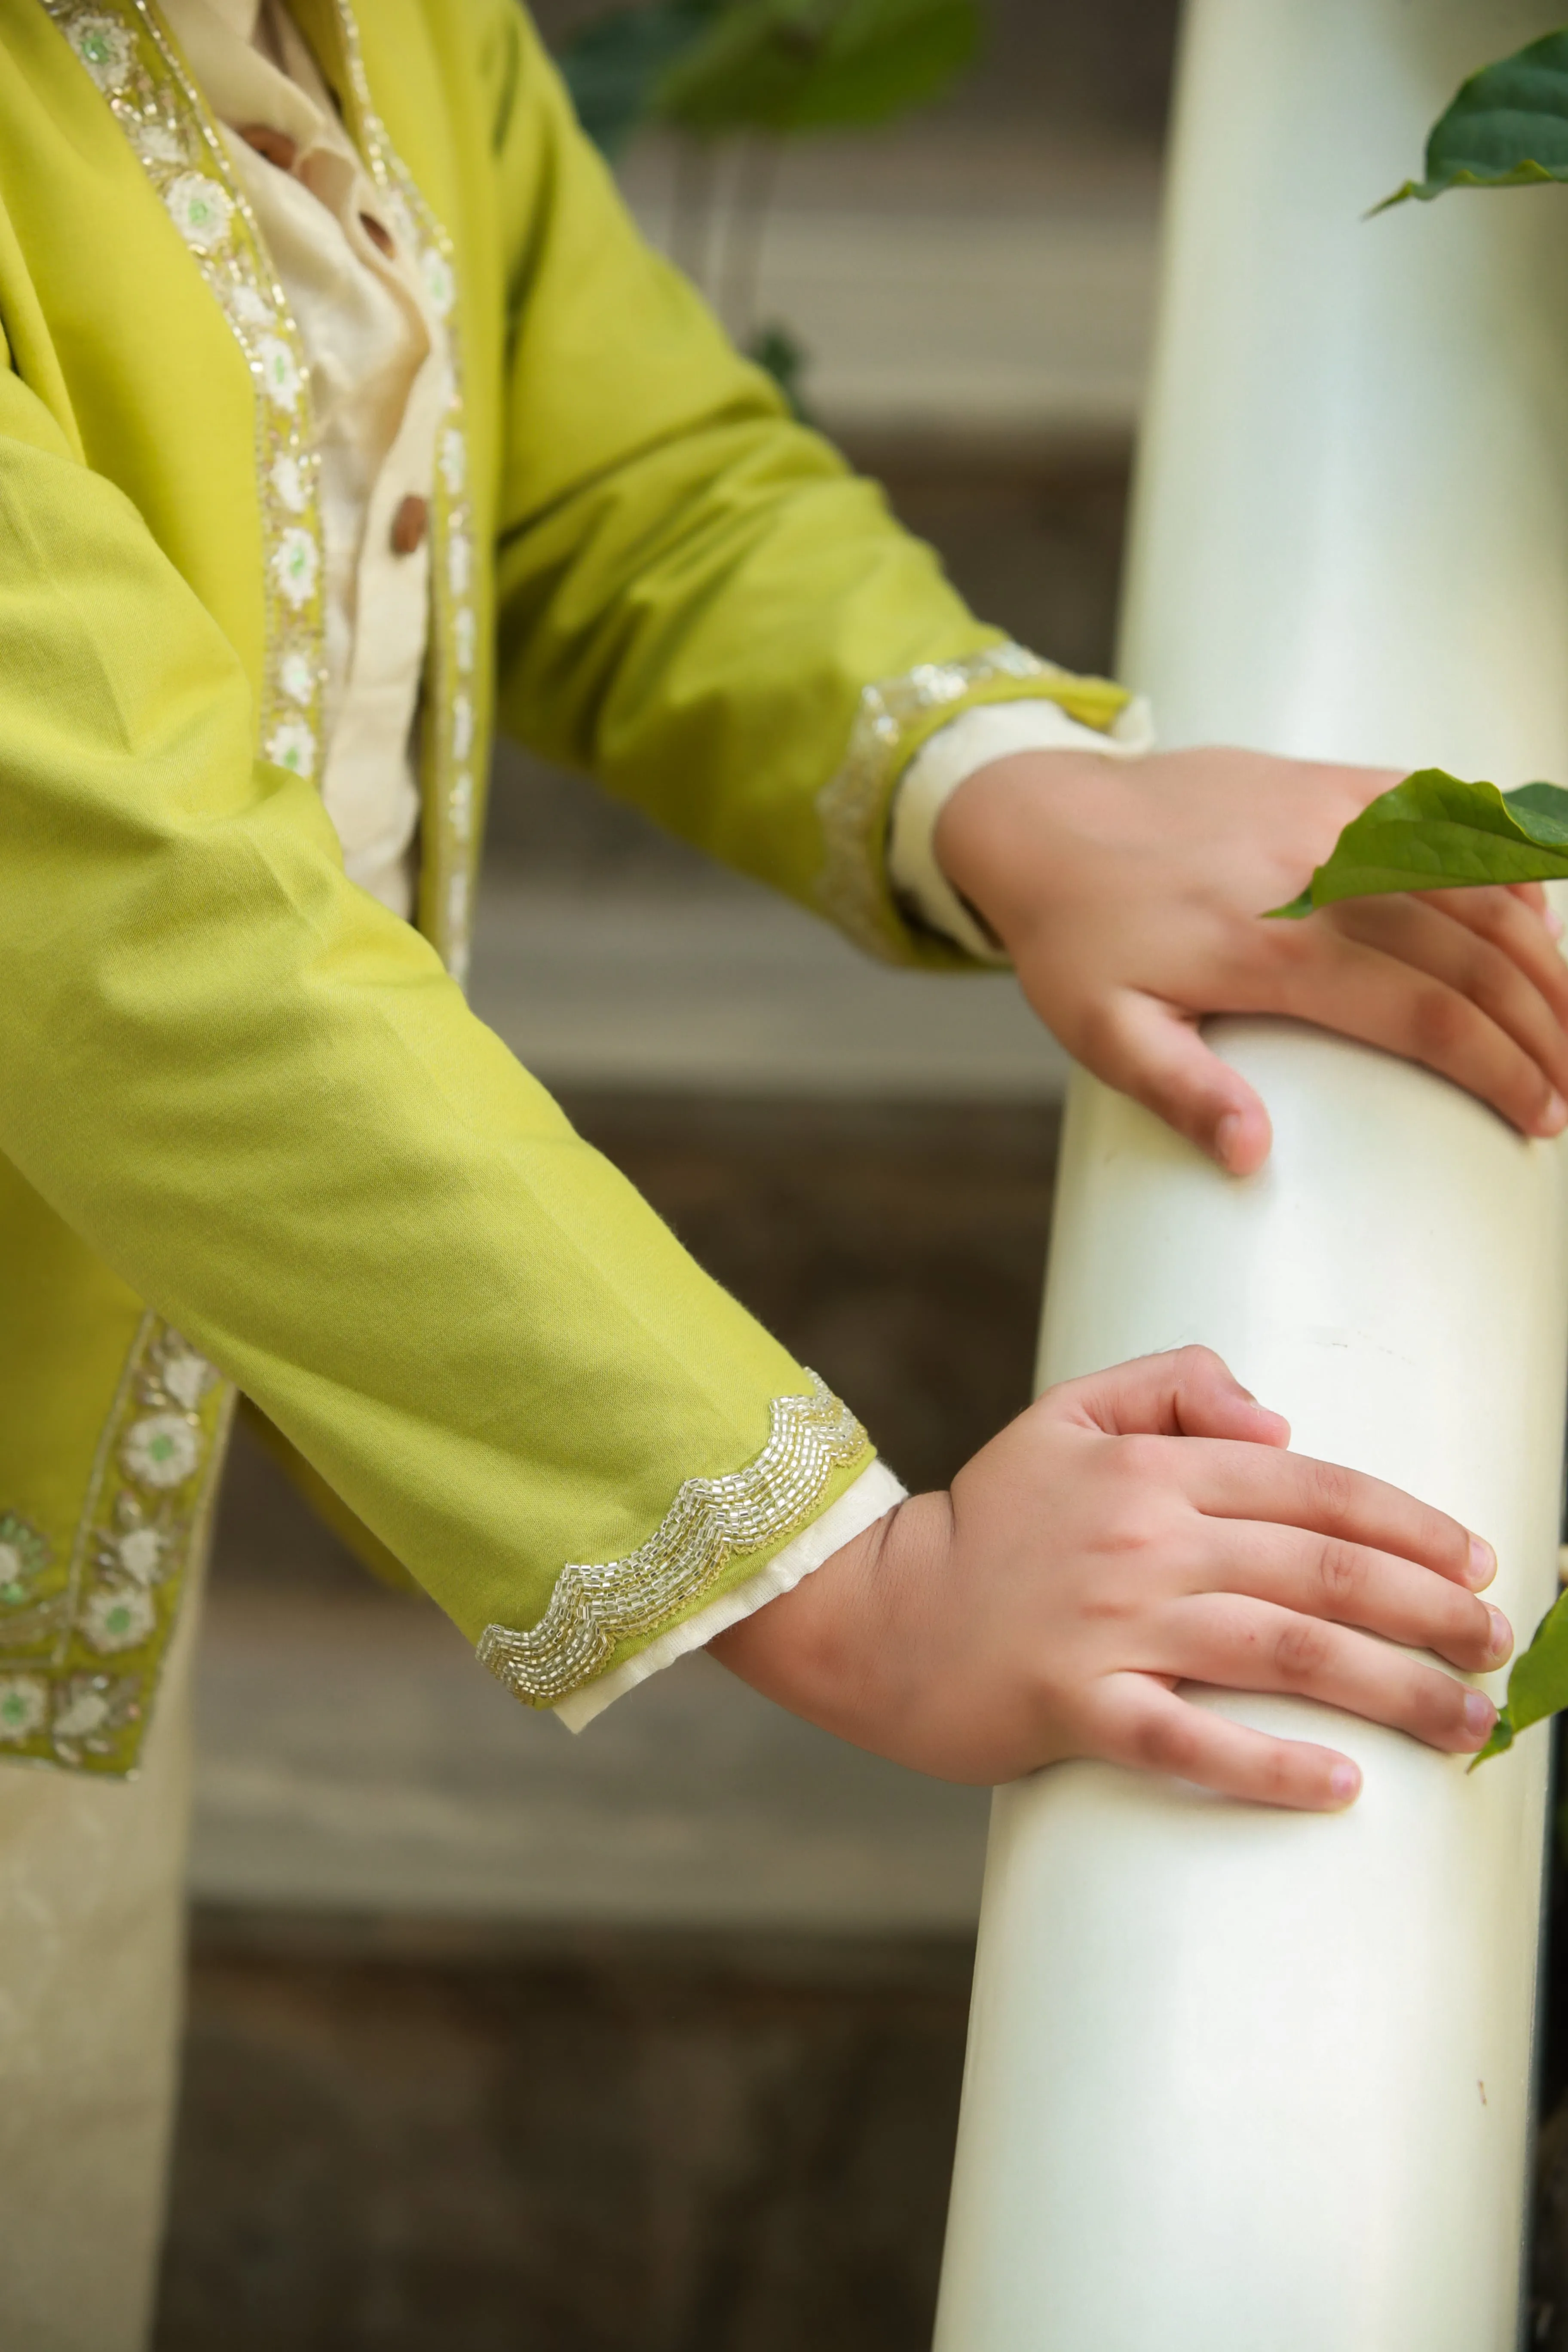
[1528, 935]
[1533, 894]
[1345, 983]
[1152, 1730]
[1146, 1049]
[1186, 1392]
[1292, 1490]
[1244, 1645]
[1352, 1585]
[1496, 957]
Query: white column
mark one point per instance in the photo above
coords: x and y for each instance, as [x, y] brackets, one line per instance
[1240, 2081]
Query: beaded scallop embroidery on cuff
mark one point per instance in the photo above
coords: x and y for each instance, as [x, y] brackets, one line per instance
[852, 806]
[709, 1522]
[448, 838]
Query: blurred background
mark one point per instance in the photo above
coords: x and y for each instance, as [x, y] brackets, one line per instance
[653, 2039]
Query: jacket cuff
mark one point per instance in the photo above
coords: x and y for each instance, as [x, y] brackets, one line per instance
[895, 720]
[992, 731]
[875, 1492]
[603, 1615]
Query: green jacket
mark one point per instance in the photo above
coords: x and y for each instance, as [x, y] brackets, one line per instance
[252, 1134]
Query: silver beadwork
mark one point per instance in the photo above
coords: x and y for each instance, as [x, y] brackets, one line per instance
[852, 806]
[709, 1522]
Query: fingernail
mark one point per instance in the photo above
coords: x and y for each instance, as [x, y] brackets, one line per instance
[1483, 1560]
[1554, 1117]
[1554, 922]
[1345, 1780]
[1226, 1134]
[1479, 1713]
[1502, 1633]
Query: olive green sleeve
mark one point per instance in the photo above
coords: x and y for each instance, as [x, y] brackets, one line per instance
[258, 1096]
[698, 600]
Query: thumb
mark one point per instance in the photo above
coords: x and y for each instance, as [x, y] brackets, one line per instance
[1147, 1049]
[1186, 1392]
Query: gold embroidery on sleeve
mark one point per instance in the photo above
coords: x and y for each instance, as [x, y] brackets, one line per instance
[852, 806]
[711, 1520]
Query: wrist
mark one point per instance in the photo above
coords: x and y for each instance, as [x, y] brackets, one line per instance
[825, 1651]
[1002, 838]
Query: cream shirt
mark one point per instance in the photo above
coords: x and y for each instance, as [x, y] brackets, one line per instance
[379, 383]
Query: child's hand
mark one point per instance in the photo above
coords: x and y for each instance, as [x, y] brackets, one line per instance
[1128, 896]
[1132, 1531]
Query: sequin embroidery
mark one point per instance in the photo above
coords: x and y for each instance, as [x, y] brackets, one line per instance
[852, 806]
[709, 1522]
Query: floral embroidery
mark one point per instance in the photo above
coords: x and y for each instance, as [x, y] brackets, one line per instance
[138, 1551]
[119, 1617]
[24, 1707]
[295, 564]
[292, 745]
[291, 486]
[852, 806]
[118, 1593]
[446, 846]
[24, 1554]
[440, 286]
[709, 1522]
[104, 48]
[150, 1498]
[93, 1715]
[162, 1451]
[294, 677]
[130, 56]
[281, 378]
[200, 210]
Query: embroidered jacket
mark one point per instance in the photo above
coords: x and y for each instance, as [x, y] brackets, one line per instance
[246, 1120]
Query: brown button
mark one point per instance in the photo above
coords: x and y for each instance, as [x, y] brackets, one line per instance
[378, 237]
[409, 525]
[276, 145]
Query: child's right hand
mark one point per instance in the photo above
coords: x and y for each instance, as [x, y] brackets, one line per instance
[1131, 1532]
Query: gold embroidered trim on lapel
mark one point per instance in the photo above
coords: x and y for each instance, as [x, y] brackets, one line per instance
[83, 1640]
[448, 848]
[124, 48]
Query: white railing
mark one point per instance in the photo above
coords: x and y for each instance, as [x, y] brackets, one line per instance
[1239, 2080]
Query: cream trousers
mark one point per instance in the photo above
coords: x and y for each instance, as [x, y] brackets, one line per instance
[91, 1936]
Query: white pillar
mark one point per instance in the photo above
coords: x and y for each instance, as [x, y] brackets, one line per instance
[1241, 2081]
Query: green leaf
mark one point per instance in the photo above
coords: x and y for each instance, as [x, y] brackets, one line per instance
[789, 66]
[1508, 128]
[1538, 1685]
[786, 360]
[1434, 832]
[612, 65]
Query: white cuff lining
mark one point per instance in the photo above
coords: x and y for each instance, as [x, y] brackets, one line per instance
[872, 1495]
